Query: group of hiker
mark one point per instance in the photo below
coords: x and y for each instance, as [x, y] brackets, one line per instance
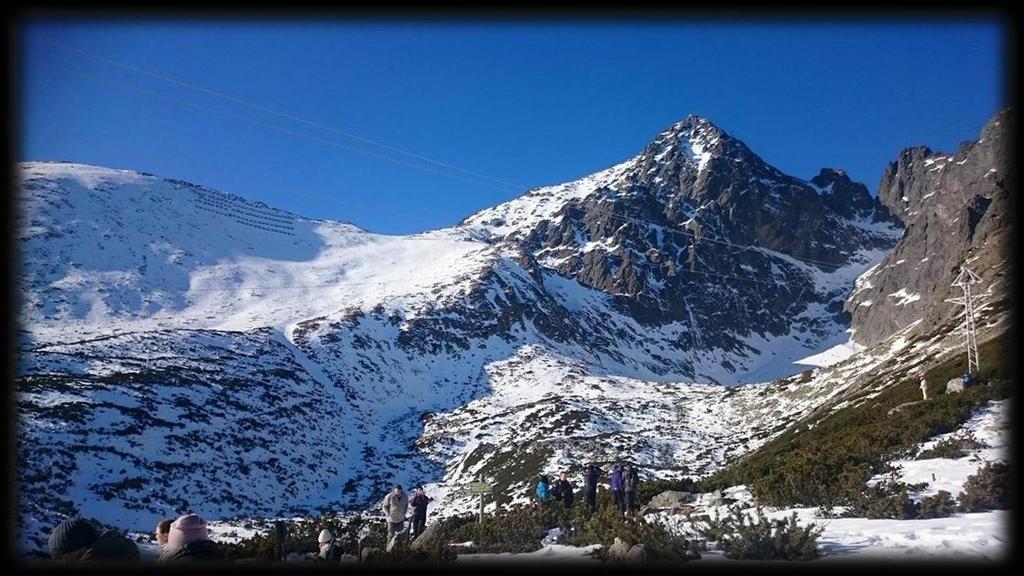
[185, 539]
[623, 481]
[396, 505]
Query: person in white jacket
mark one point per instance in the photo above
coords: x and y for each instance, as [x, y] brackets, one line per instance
[924, 387]
[394, 506]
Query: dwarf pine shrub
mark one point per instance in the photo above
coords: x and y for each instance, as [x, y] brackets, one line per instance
[988, 489]
[745, 537]
[940, 505]
[952, 448]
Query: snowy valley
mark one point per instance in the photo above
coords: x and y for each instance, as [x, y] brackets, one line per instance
[679, 310]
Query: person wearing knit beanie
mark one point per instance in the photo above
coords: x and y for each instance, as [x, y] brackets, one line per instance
[70, 538]
[189, 541]
[330, 548]
[185, 530]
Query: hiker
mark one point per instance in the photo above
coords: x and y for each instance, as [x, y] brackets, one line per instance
[616, 485]
[590, 476]
[330, 548]
[419, 503]
[968, 380]
[543, 489]
[630, 480]
[394, 507]
[924, 387]
[563, 490]
[76, 540]
[189, 541]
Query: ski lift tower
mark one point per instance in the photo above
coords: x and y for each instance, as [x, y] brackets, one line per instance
[965, 280]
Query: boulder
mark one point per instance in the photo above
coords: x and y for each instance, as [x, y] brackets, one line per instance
[955, 385]
[638, 553]
[429, 536]
[369, 554]
[299, 558]
[684, 510]
[400, 539]
[618, 550]
[715, 499]
[670, 499]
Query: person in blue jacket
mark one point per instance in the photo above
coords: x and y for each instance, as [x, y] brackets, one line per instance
[543, 489]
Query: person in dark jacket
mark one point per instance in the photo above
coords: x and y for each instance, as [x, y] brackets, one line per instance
[189, 541]
[77, 540]
[616, 486]
[418, 503]
[563, 490]
[630, 481]
[590, 476]
[112, 547]
[197, 551]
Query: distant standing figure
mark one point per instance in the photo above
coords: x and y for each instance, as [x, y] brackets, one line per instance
[543, 489]
[563, 490]
[630, 480]
[616, 485]
[419, 503]
[590, 476]
[924, 387]
[394, 507]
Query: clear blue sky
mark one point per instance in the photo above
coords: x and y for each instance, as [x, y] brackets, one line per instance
[531, 103]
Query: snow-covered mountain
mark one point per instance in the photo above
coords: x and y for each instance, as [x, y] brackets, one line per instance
[182, 348]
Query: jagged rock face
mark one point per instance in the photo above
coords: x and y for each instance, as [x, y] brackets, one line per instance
[847, 198]
[696, 229]
[956, 212]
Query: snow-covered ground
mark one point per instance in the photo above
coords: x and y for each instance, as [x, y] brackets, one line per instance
[834, 354]
[979, 535]
[559, 553]
[989, 425]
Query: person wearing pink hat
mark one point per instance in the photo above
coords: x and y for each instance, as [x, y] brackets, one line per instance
[189, 541]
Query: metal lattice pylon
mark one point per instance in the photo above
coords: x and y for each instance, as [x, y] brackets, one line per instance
[965, 280]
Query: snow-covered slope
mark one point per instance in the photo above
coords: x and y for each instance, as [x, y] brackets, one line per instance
[176, 339]
[109, 249]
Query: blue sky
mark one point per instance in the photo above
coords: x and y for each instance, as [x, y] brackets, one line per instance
[521, 102]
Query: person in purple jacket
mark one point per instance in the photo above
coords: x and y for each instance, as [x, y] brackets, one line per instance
[616, 486]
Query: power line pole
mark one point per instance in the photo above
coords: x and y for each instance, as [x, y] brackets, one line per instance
[965, 280]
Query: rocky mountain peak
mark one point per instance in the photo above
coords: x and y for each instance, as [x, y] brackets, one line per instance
[693, 145]
[955, 208]
[843, 196]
